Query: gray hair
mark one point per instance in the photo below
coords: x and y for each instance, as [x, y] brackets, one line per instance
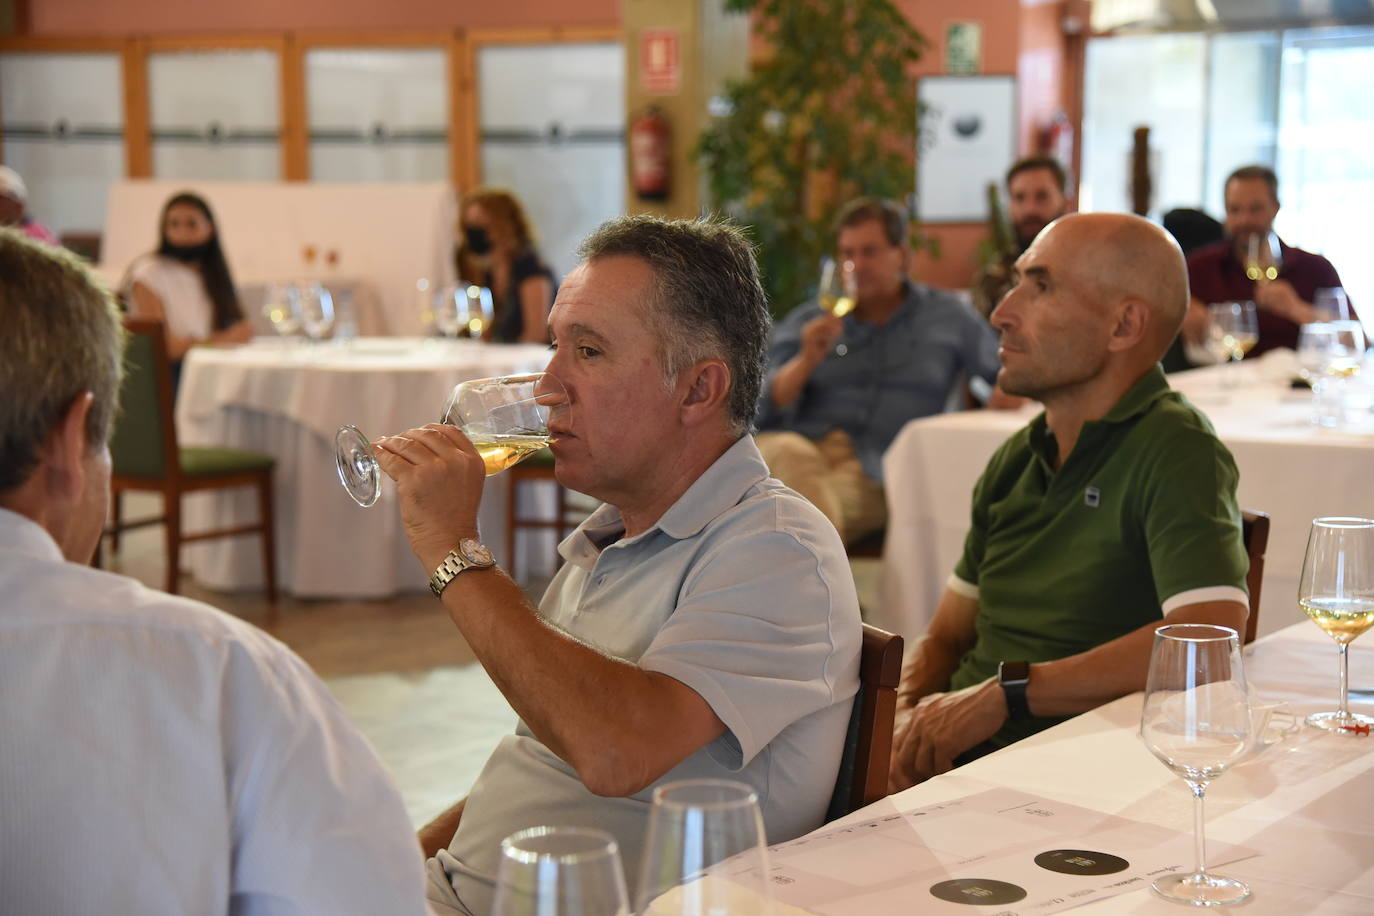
[708, 302]
[62, 337]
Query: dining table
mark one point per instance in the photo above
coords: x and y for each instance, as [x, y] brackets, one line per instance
[1291, 819]
[1290, 468]
[287, 398]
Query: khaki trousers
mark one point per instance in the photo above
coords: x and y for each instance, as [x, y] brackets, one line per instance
[828, 474]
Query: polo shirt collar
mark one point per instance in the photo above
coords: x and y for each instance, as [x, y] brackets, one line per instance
[721, 486]
[1139, 398]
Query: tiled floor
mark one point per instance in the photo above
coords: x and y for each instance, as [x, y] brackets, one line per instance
[399, 667]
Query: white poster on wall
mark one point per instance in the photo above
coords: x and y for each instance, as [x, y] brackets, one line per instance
[968, 139]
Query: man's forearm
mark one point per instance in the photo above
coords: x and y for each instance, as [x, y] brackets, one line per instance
[1089, 679]
[790, 379]
[604, 716]
[927, 668]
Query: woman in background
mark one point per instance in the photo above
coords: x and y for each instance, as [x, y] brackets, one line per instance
[185, 283]
[497, 251]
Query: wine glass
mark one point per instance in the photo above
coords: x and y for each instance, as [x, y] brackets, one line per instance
[1331, 304]
[449, 310]
[836, 291]
[1315, 343]
[693, 825]
[282, 309]
[1196, 720]
[479, 310]
[316, 310]
[1232, 332]
[1263, 257]
[506, 418]
[1337, 592]
[560, 871]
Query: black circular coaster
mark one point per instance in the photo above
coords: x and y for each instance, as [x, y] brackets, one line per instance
[977, 891]
[1081, 862]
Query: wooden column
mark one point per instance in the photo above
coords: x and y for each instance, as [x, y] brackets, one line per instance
[711, 46]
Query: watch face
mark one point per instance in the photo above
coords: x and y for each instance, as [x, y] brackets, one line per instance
[476, 552]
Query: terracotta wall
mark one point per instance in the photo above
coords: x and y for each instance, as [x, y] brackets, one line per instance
[123, 17]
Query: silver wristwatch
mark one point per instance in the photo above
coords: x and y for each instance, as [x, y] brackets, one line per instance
[469, 554]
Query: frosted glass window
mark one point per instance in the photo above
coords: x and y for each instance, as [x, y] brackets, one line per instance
[377, 114]
[553, 130]
[1145, 80]
[64, 133]
[1243, 99]
[215, 114]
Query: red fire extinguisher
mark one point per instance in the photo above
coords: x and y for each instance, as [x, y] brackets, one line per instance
[651, 146]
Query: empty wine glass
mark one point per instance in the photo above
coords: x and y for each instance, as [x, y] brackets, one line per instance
[449, 310]
[506, 419]
[282, 309]
[1331, 304]
[560, 871]
[1315, 344]
[1337, 592]
[696, 824]
[1196, 720]
[836, 291]
[316, 310]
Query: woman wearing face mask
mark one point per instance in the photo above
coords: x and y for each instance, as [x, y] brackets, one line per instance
[498, 252]
[185, 283]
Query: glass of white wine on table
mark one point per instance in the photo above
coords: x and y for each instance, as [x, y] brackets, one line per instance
[1337, 592]
[506, 418]
[1233, 331]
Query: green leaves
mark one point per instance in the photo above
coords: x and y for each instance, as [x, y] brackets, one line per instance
[829, 115]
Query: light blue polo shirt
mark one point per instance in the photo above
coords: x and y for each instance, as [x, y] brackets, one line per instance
[741, 591]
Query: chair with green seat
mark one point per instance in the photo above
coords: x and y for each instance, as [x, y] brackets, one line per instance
[147, 457]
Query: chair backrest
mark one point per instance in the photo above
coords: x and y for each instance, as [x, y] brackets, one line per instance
[144, 442]
[1255, 533]
[862, 779]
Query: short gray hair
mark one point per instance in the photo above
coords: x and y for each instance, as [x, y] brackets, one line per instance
[62, 336]
[708, 302]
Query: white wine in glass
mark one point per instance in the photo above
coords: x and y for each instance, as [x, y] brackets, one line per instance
[1196, 720]
[506, 418]
[1337, 592]
[836, 293]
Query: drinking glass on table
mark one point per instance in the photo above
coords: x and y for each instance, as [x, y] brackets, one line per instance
[506, 418]
[1196, 720]
[477, 311]
[1233, 330]
[1331, 304]
[316, 310]
[693, 825]
[1337, 591]
[836, 291]
[282, 309]
[560, 871]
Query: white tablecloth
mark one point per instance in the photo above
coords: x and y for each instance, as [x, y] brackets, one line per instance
[288, 400]
[1302, 804]
[386, 234]
[1288, 468]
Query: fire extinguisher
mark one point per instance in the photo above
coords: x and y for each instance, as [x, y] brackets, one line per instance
[651, 145]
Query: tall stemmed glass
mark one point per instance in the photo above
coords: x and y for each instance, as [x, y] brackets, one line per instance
[1337, 592]
[560, 871]
[693, 825]
[1196, 720]
[836, 291]
[1263, 257]
[507, 419]
[1233, 332]
[316, 310]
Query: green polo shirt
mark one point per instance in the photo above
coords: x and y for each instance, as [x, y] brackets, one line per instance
[1140, 519]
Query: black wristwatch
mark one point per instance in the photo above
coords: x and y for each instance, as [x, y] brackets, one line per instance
[1014, 676]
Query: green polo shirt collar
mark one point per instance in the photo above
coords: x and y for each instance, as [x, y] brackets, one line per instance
[1148, 389]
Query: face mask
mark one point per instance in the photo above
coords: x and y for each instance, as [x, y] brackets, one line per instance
[186, 253]
[478, 242]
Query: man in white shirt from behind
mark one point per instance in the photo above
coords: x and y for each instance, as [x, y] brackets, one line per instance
[156, 755]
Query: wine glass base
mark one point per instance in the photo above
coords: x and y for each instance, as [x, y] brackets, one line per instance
[357, 466]
[1201, 889]
[1352, 723]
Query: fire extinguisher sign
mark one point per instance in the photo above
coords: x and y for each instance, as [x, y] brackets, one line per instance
[660, 61]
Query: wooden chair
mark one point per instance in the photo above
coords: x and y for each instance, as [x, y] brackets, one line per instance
[1255, 533]
[147, 457]
[530, 473]
[862, 778]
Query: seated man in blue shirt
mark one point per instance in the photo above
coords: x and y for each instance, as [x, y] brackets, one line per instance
[840, 388]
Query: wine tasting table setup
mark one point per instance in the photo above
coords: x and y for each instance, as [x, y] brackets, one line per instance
[1289, 468]
[287, 398]
[1084, 812]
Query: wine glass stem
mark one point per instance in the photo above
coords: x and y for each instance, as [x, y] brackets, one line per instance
[1345, 679]
[1199, 841]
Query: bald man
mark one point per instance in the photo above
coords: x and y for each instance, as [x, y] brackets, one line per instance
[1112, 513]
